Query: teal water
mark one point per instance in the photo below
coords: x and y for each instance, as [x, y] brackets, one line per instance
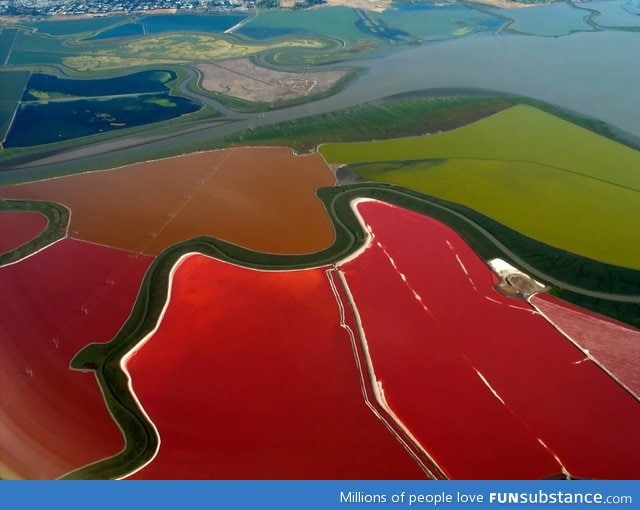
[557, 19]
[159, 23]
[429, 20]
[337, 22]
[75, 26]
[7, 36]
[126, 30]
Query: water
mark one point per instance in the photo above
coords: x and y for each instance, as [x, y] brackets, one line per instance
[555, 19]
[428, 20]
[190, 22]
[594, 73]
[126, 30]
[74, 26]
[616, 13]
[147, 81]
[40, 123]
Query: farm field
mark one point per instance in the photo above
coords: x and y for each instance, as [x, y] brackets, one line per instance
[17, 228]
[447, 354]
[500, 156]
[279, 394]
[533, 199]
[56, 302]
[261, 199]
[615, 346]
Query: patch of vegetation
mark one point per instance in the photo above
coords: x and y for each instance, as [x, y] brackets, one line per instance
[162, 101]
[177, 48]
[43, 95]
[399, 116]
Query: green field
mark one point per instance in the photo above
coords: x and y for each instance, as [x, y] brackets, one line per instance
[397, 116]
[13, 84]
[552, 206]
[542, 176]
[521, 133]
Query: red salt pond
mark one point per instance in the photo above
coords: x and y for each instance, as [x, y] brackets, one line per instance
[18, 228]
[615, 346]
[249, 375]
[484, 383]
[53, 419]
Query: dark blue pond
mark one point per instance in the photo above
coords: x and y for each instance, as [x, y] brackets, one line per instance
[46, 122]
[146, 81]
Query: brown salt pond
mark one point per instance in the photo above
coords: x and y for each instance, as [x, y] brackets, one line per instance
[260, 198]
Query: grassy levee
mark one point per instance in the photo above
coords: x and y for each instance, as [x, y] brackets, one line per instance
[57, 221]
[141, 441]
